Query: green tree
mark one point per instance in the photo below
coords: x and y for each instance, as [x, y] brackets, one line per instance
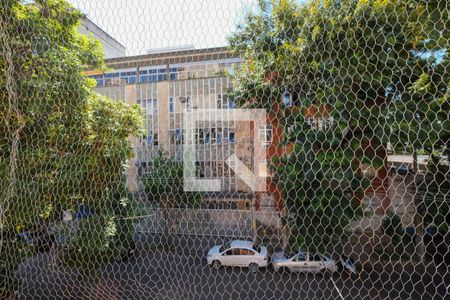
[163, 186]
[370, 62]
[61, 144]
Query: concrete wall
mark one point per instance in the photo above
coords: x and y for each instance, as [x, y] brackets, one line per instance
[111, 47]
[198, 222]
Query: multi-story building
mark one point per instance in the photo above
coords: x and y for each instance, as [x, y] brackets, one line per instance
[166, 85]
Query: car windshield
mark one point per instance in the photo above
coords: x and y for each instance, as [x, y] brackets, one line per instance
[257, 248]
[317, 257]
[225, 247]
[291, 253]
[299, 257]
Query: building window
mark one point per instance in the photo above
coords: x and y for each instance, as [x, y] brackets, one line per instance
[226, 171]
[149, 105]
[179, 136]
[230, 103]
[213, 136]
[172, 136]
[221, 101]
[219, 169]
[204, 136]
[112, 79]
[225, 135]
[99, 78]
[207, 135]
[155, 139]
[216, 169]
[171, 105]
[231, 137]
[224, 102]
[152, 75]
[219, 136]
[200, 135]
[173, 74]
[128, 77]
[176, 136]
[213, 167]
[200, 169]
[265, 134]
[197, 136]
[151, 139]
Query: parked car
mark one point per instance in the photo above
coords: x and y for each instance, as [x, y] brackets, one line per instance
[401, 170]
[238, 253]
[303, 262]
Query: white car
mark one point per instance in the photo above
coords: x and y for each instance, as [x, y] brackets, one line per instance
[238, 253]
[303, 262]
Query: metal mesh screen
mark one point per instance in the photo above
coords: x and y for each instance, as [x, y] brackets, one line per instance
[224, 149]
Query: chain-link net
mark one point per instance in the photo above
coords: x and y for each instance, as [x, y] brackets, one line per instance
[224, 149]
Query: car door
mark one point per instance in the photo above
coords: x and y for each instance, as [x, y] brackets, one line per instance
[228, 257]
[239, 258]
[311, 265]
[315, 263]
[298, 263]
[248, 256]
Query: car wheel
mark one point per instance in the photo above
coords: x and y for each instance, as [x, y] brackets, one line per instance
[216, 264]
[253, 267]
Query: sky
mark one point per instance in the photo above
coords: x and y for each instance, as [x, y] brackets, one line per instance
[141, 25]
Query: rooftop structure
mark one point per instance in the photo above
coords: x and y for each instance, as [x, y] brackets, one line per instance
[170, 49]
[111, 46]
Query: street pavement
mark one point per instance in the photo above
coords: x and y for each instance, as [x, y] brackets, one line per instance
[162, 274]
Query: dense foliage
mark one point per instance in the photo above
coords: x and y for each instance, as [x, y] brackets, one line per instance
[62, 146]
[163, 184]
[381, 70]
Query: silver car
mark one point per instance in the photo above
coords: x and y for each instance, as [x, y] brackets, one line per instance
[238, 253]
[303, 262]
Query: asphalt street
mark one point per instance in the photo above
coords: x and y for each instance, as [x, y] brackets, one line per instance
[157, 274]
